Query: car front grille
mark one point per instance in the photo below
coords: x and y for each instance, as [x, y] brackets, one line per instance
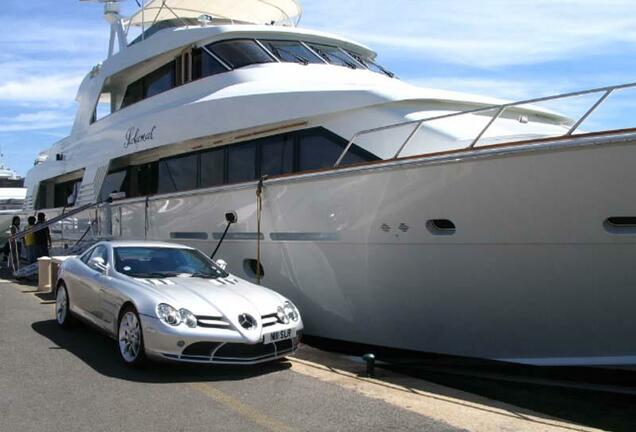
[212, 322]
[201, 349]
[269, 320]
[234, 352]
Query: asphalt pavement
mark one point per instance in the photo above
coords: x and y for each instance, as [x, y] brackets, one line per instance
[52, 379]
[57, 380]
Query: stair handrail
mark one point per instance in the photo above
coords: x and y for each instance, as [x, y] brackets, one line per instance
[13, 239]
[40, 226]
[499, 110]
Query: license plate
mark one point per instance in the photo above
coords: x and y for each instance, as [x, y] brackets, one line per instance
[280, 335]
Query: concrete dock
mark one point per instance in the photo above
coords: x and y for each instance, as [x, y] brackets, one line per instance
[72, 380]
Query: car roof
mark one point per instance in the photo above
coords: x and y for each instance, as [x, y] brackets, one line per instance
[142, 243]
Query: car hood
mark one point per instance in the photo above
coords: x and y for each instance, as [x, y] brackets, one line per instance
[228, 297]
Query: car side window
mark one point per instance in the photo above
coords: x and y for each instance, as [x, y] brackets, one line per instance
[98, 251]
[87, 256]
[101, 251]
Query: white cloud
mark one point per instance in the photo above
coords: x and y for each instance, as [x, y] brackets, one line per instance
[52, 88]
[39, 120]
[481, 33]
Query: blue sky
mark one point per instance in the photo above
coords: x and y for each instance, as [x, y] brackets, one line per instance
[512, 50]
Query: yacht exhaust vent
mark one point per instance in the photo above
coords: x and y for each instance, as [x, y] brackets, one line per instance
[620, 224]
[441, 227]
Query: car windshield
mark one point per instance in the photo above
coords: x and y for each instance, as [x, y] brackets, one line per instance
[161, 262]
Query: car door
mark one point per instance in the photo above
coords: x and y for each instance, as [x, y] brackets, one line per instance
[96, 279]
[78, 286]
[110, 297]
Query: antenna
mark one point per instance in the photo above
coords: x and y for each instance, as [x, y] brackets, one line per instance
[112, 15]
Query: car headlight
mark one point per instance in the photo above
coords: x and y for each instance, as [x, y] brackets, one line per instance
[281, 315]
[168, 314]
[290, 311]
[188, 318]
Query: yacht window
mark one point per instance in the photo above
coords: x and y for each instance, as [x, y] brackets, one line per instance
[204, 65]
[317, 151]
[291, 51]
[103, 108]
[134, 93]
[277, 155]
[241, 165]
[240, 52]
[42, 198]
[159, 81]
[114, 182]
[213, 168]
[178, 174]
[183, 68]
[66, 193]
[143, 180]
[370, 64]
[335, 56]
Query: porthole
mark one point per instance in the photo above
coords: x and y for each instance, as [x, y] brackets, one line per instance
[441, 227]
[250, 266]
[620, 224]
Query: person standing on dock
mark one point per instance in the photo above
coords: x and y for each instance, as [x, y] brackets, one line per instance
[15, 246]
[42, 238]
[29, 240]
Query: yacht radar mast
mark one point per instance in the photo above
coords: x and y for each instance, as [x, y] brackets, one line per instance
[113, 16]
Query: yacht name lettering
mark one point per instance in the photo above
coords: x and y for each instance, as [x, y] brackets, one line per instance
[134, 136]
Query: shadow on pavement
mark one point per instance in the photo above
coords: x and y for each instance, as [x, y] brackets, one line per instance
[575, 395]
[100, 353]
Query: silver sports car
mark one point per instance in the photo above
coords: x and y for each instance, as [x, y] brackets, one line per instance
[172, 302]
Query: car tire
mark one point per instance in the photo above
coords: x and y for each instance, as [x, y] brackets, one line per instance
[63, 307]
[130, 338]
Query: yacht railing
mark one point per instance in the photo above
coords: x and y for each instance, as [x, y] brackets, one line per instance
[498, 111]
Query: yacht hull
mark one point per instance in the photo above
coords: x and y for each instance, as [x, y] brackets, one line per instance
[532, 273]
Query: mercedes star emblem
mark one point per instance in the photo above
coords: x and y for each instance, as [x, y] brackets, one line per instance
[247, 321]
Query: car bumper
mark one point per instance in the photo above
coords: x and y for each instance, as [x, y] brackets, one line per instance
[215, 346]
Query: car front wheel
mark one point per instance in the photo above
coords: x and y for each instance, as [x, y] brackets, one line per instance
[130, 338]
[62, 307]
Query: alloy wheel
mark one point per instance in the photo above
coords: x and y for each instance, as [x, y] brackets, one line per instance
[61, 305]
[129, 337]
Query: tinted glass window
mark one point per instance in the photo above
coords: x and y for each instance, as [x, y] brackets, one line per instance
[144, 179]
[159, 81]
[113, 183]
[100, 251]
[134, 93]
[213, 168]
[370, 64]
[66, 193]
[239, 53]
[291, 51]
[277, 155]
[85, 257]
[334, 55]
[203, 65]
[178, 174]
[318, 150]
[241, 162]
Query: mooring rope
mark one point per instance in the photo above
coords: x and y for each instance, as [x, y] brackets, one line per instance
[259, 209]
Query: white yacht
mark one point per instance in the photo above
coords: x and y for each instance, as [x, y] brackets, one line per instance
[392, 215]
[12, 194]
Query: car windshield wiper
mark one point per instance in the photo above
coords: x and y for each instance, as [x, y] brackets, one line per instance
[204, 275]
[154, 275]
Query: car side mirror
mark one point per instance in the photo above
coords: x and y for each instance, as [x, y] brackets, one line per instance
[98, 264]
[221, 263]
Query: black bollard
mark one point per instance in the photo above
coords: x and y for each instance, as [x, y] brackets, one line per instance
[370, 361]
